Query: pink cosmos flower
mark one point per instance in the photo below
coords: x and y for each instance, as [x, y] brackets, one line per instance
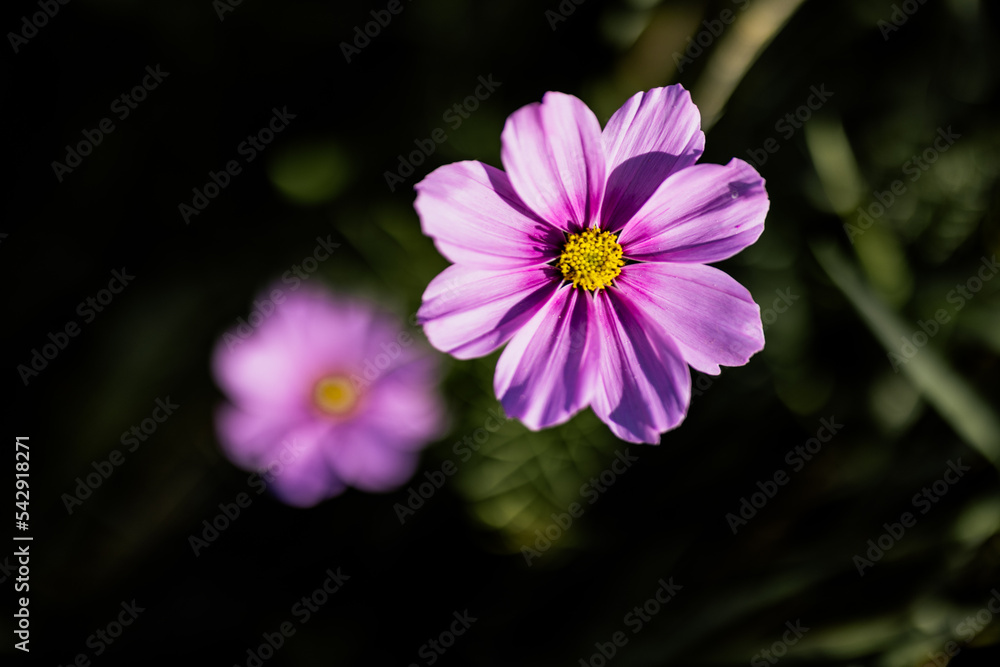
[326, 393]
[587, 256]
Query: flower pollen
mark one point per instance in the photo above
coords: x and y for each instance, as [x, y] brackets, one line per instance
[591, 259]
[335, 395]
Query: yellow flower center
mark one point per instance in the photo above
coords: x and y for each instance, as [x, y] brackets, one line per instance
[335, 395]
[591, 259]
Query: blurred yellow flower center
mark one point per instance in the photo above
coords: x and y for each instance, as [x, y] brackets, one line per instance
[591, 259]
[335, 395]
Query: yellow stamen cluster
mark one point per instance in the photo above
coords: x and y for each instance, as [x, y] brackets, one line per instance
[591, 259]
[335, 395]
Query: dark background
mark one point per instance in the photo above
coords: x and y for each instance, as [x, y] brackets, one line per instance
[827, 355]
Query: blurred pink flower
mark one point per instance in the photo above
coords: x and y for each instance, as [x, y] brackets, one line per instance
[330, 392]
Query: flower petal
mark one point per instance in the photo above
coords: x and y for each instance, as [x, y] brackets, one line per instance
[270, 361]
[365, 458]
[405, 404]
[705, 213]
[475, 218]
[644, 387]
[248, 438]
[652, 135]
[306, 480]
[290, 453]
[471, 312]
[264, 368]
[712, 318]
[546, 374]
[552, 152]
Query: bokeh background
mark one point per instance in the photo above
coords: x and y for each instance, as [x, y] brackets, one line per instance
[897, 74]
